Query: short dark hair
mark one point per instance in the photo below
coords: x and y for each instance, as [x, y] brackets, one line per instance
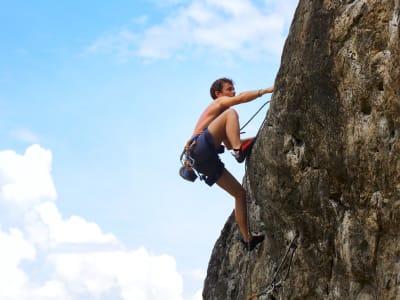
[217, 86]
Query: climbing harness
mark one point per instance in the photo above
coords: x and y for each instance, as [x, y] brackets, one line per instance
[253, 116]
[187, 171]
[277, 281]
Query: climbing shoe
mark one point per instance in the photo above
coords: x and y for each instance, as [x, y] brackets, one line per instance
[244, 150]
[257, 239]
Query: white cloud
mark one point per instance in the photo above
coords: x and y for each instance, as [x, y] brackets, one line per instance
[72, 230]
[50, 290]
[14, 249]
[25, 135]
[198, 295]
[25, 180]
[166, 3]
[119, 44]
[198, 274]
[229, 28]
[48, 257]
[136, 274]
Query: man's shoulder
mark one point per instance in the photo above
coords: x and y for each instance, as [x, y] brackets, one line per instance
[218, 105]
[224, 102]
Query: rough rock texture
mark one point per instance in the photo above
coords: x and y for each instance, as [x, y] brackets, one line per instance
[326, 163]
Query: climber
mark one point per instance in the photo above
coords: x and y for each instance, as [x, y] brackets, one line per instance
[218, 124]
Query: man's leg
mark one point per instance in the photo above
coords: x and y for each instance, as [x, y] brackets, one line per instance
[225, 128]
[234, 188]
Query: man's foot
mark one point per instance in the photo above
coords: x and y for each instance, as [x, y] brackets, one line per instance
[256, 239]
[244, 150]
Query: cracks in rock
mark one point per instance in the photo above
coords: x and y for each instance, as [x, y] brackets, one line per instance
[378, 198]
[366, 107]
[394, 24]
[338, 205]
[352, 15]
[330, 274]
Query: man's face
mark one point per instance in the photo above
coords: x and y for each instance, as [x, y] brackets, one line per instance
[228, 89]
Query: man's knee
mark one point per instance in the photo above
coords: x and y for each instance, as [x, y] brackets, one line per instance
[241, 194]
[232, 113]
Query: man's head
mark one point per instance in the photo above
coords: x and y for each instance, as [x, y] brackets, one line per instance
[220, 86]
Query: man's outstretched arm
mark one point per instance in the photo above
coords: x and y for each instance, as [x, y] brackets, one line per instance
[244, 97]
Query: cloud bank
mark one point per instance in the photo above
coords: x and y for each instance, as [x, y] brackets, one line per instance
[45, 256]
[245, 29]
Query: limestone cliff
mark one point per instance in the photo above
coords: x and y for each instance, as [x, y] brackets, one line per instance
[326, 163]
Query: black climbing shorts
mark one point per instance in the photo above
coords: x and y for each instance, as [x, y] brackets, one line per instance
[206, 158]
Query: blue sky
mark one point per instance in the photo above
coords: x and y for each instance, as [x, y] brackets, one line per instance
[97, 99]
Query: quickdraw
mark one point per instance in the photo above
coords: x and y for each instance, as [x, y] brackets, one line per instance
[187, 171]
[186, 158]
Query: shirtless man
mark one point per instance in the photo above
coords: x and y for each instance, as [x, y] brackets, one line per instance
[218, 124]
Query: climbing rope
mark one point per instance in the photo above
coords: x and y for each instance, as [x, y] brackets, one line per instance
[287, 259]
[286, 262]
[250, 190]
[247, 123]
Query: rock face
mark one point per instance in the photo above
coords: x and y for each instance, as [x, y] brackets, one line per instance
[326, 164]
